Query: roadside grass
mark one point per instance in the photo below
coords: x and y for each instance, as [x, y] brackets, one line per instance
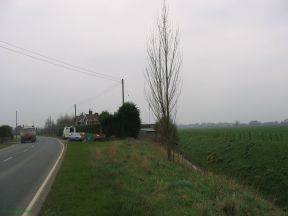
[256, 156]
[3, 145]
[14, 141]
[131, 177]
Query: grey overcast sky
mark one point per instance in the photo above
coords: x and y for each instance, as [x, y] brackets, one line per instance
[235, 57]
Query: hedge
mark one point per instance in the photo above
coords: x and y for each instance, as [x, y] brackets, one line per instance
[94, 128]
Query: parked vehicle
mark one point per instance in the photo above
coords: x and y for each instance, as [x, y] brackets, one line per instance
[75, 137]
[67, 131]
[28, 133]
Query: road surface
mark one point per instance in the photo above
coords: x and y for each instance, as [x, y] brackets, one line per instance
[23, 168]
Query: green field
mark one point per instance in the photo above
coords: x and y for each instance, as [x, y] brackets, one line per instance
[134, 178]
[256, 156]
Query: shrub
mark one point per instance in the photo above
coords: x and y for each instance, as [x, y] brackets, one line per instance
[124, 123]
[127, 121]
[94, 128]
[5, 133]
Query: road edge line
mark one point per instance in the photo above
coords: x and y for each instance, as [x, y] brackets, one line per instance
[35, 204]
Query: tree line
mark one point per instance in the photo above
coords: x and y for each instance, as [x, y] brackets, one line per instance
[125, 122]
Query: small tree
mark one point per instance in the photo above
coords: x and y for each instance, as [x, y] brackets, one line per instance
[128, 121]
[162, 75]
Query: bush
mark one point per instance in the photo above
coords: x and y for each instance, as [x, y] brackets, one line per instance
[124, 123]
[127, 121]
[94, 128]
[5, 133]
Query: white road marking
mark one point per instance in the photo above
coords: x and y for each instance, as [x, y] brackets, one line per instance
[7, 159]
[25, 150]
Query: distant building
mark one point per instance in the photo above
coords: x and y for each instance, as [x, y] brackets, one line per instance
[147, 133]
[87, 119]
[254, 123]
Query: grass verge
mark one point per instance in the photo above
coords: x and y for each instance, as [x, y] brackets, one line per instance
[134, 178]
[14, 141]
[3, 145]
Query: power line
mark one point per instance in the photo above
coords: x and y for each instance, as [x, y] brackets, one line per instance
[105, 91]
[127, 92]
[57, 62]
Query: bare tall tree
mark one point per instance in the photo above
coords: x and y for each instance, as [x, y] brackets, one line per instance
[163, 77]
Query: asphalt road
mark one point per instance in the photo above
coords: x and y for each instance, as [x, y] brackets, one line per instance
[23, 168]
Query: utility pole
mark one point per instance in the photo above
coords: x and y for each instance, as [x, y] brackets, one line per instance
[16, 126]
[149, 115]
[122, 91]
[75, 114]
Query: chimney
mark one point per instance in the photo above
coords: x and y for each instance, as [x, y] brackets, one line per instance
[90, 112]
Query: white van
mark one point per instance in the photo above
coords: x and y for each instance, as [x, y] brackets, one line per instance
[67, 131]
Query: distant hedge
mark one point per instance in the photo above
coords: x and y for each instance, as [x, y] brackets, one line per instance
[94, 128]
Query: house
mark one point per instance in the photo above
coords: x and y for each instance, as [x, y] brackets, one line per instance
[87, 119]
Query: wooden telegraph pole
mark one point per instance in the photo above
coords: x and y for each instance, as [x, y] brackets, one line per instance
[122, 91]
[16, 125]
[75, 115]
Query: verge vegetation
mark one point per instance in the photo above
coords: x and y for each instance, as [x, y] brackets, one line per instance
[132, 177]
[256, 156]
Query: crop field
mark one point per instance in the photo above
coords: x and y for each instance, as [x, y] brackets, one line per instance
[254, 156]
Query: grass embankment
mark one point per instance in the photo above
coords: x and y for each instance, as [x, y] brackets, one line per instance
[255, 156]
[134, 178]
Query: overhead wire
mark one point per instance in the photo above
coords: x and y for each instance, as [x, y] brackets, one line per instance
[105, 91]
[57, 62]
[102, 93]
[127, 92]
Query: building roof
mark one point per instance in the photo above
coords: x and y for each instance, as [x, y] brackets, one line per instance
[89, 118]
